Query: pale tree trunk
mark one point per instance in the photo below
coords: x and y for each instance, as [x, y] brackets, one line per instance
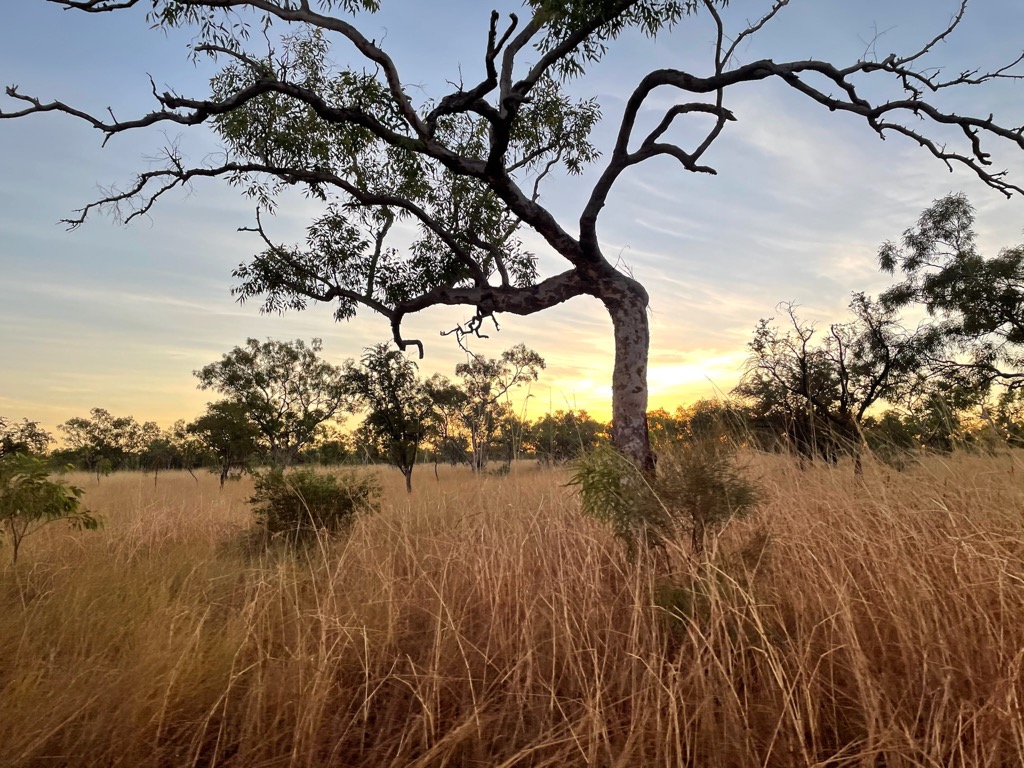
[627, 302]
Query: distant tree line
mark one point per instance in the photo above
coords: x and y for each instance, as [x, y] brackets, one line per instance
[281, 404]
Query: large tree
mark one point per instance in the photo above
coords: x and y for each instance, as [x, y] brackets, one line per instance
[466, 166]
[285, 388]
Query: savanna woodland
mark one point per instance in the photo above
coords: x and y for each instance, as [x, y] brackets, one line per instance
[822, 568]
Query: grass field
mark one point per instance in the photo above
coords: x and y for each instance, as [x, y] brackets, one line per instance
[485, 622]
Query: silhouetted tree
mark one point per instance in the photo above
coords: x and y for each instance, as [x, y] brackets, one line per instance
[979, 302]
[23, 437]
[229, 434]
[822, 388]
[104, 443]
[285, 388]
[388, 386]
[487, 383]
[446, 436]
[562, 436]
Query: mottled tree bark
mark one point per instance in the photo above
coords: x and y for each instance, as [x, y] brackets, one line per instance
[627, 304]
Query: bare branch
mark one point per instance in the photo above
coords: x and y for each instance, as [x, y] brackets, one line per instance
[95, 6]
[953, 24]
[472, 100]
[753, 29]
[685, 109]
[259, 67]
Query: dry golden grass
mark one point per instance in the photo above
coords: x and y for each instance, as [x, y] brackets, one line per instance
[486, 623]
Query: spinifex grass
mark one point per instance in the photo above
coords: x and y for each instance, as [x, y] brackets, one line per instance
[486, 622]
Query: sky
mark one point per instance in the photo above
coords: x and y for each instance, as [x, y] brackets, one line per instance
[119, 317]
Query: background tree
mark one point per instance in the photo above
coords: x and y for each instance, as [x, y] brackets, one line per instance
[822, 390]
[228, 433]
[285, 388]
[664, 426]
[564, 435]
[1006, 417]
[715, 420]
[23, 437]
[446, 437]
[487, 383]
[510, 438]
[466, 166]
[104, 443]
[159, 453]
[979, 302]
[189, 450]
[331, 447]
[398, 407]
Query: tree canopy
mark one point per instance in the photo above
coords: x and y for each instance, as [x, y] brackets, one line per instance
[226, 431]
[22, 437]
[978, 301]
[284, 388]
[103, 442]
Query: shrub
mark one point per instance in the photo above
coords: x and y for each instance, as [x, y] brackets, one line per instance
[613, 490]
[29, 500]
[300, 503]
[698, 487]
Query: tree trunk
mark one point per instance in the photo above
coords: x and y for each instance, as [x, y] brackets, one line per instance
[626, 302]
[407, 471]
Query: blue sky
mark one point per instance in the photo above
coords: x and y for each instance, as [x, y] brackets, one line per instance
[119, 317]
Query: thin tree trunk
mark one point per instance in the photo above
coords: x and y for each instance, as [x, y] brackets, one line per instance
[627, 305]
[408, 479]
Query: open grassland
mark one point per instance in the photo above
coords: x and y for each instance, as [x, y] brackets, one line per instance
[485, 622]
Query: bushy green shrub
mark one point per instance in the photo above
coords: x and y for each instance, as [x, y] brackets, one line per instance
[613, 490]
[698, 487]
[300, 503]
[703, 486]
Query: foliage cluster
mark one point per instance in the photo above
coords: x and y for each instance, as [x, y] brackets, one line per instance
[563, 436]
[300, 503]
[102, 442]
[23, 437]
[460, 422]
[698, 488]
[30, 500]
[285, 390]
